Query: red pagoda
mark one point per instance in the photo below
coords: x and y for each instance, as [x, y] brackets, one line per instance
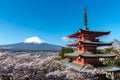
[85, 45]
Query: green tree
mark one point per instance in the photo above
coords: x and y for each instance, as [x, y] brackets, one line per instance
[109, 62]
[61, 53]
[117, 62]
[65, 50]
[109, 50]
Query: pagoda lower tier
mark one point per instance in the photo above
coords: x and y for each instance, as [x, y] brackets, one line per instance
[84, 62]
[89, 58]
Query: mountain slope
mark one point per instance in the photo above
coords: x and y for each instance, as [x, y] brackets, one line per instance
[32, 46]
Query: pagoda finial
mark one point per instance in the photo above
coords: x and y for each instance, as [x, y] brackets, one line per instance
[85, 19]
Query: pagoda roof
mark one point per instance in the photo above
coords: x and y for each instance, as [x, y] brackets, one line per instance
[74, 35]
[73, 65]
[90, 42]
[80, 67]
[96, 43]
[72, 54]
[91, 55]
[81, 31]
[110, 68]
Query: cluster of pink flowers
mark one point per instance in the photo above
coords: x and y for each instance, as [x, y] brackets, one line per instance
[33, 67]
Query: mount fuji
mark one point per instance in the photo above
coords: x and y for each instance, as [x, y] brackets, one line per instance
[32, 44]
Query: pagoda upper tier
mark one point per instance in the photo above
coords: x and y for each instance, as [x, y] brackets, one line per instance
[90, 33]
[90, 43]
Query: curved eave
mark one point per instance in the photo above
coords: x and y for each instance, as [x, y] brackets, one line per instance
[74, 44]
[90, 43]
[71, 54]
[97, 33]
[96, 43]
[110, 69]
[74, 35]
[98, 55]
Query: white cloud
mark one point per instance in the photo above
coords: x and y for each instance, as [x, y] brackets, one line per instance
[34, 40]
[65, 39]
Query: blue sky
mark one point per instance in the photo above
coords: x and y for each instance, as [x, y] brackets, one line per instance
[51, 20]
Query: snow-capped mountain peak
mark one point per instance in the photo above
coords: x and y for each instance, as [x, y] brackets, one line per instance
[34, 39]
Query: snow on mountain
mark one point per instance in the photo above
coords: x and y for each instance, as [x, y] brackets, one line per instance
[34, 40]
[32, 43]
